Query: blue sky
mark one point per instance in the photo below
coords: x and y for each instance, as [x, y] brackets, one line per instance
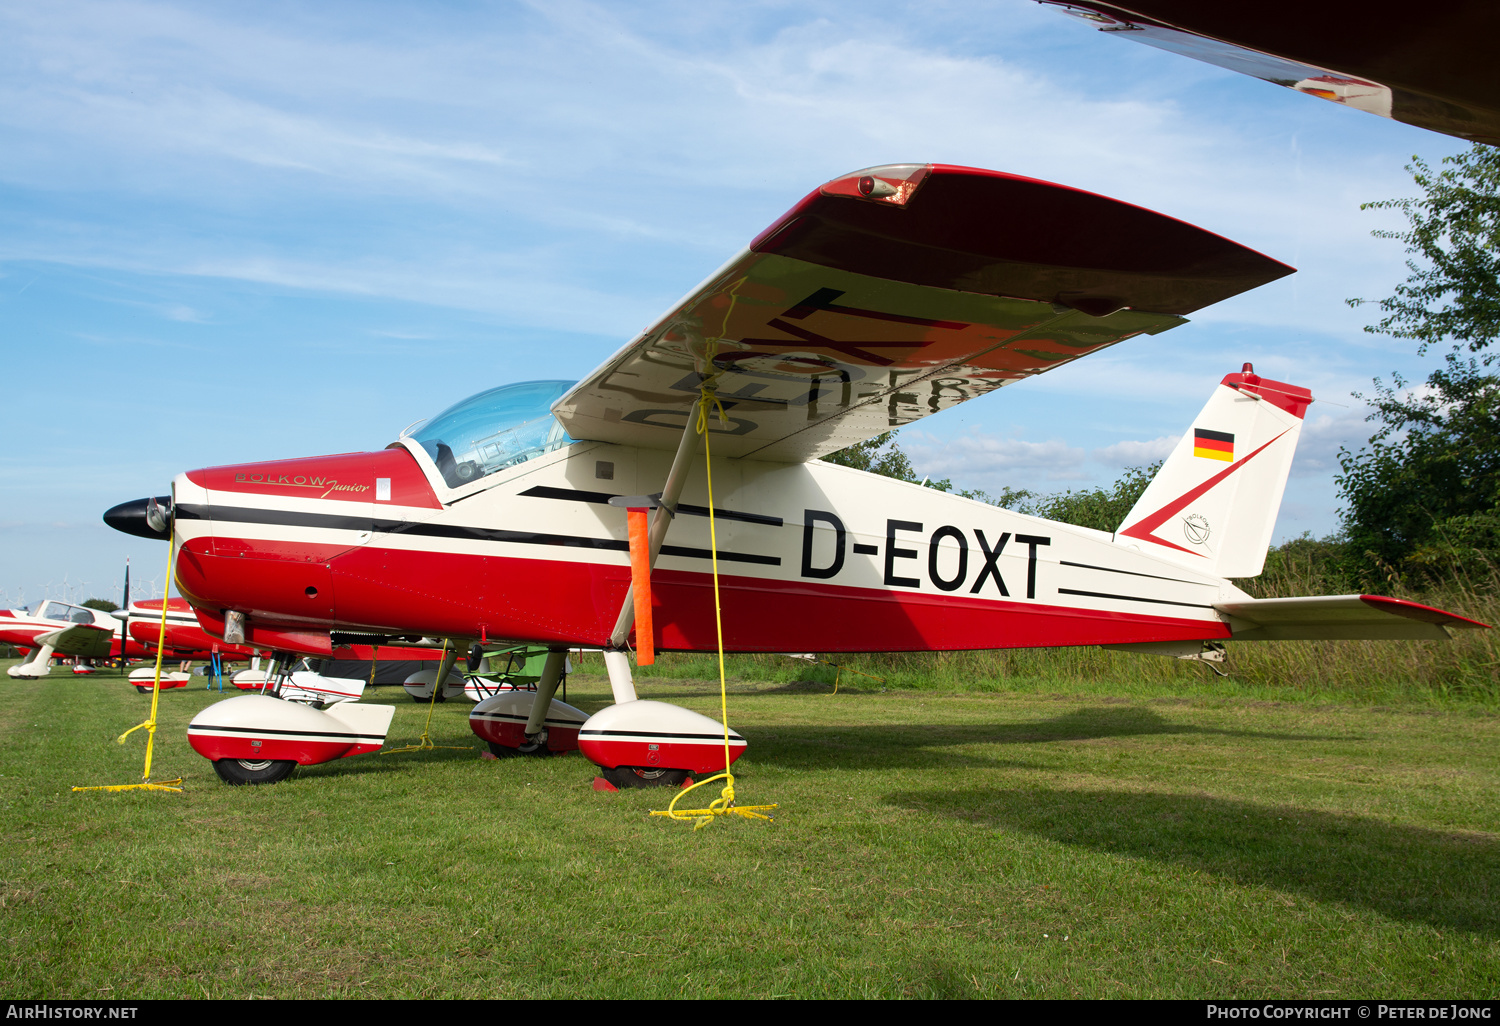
[240, 231]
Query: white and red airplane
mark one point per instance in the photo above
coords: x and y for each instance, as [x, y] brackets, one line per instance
[884, 296]
[185, 639]
[54, 628]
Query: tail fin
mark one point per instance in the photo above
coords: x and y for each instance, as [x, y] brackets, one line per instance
[1213, 504]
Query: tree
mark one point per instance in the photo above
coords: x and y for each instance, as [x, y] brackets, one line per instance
[879, 455]
[1100, 508]
[1424, 495]
[1455, 228]
[104, 605]
[1103, 509]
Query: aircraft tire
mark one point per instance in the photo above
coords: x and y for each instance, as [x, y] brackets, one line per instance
[253, 771]
[144, 691]
[640, 776]
[500, 751]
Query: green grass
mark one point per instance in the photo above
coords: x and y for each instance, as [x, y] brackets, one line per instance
[1461, 673]
[1011, 843]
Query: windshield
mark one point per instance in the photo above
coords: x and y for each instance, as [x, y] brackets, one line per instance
[56, 610]
[493, 430]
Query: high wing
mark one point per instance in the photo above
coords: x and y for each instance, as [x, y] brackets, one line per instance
[81, 639]
[1341, 618]
[1429, 65]
[895, 292]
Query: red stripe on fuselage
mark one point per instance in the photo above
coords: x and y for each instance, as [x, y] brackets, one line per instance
[449, 594]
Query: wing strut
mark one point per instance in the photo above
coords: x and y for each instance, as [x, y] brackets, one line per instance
[665, 504]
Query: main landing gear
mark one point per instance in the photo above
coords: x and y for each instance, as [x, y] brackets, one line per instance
[635, 744]
[530, 722]
[253, 771]
[623, 777]
[531, 746]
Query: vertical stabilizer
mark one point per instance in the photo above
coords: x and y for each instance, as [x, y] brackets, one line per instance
[1213, 505]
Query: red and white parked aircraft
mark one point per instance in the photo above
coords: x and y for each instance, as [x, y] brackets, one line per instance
[55, 628]
[884, 296]
[186, 639]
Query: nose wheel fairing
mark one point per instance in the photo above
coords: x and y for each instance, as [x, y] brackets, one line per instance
[257, 728]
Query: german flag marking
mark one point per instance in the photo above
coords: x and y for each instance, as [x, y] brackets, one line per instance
[1213, 445]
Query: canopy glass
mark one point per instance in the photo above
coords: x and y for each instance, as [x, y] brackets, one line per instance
[496, 429]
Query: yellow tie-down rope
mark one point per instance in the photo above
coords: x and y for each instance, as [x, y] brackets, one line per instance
[840, 672]
[724, 804]
[424, 743]
[146, 783]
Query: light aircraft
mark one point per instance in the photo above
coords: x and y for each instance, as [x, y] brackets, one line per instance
[1426, 65]
[185, 638]
[884, 296]
[55, 628]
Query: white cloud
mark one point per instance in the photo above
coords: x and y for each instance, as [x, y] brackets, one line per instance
[978, 459]
[1131, 453]
[1323, 434]
[572, 118]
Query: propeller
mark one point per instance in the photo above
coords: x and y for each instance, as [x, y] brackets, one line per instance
[123, 613]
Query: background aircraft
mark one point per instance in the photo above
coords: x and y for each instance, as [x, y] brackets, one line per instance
[54, 628]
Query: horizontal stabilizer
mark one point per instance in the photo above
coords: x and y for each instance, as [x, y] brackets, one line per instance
[1339, 618]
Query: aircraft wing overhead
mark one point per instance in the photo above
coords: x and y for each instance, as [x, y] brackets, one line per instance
[82, 639]
[1429, 65]
[893, 293]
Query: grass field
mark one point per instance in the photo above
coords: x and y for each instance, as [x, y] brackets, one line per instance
[1004, 843]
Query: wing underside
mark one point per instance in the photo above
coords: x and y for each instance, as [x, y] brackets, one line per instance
[81, 639]
[892, 294]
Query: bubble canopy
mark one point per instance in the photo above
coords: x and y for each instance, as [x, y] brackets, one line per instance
[495, 429]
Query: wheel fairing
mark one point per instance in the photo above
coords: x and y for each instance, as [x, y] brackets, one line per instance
[657, 735]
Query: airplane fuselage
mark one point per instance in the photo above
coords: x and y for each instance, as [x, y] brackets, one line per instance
[812, 557]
